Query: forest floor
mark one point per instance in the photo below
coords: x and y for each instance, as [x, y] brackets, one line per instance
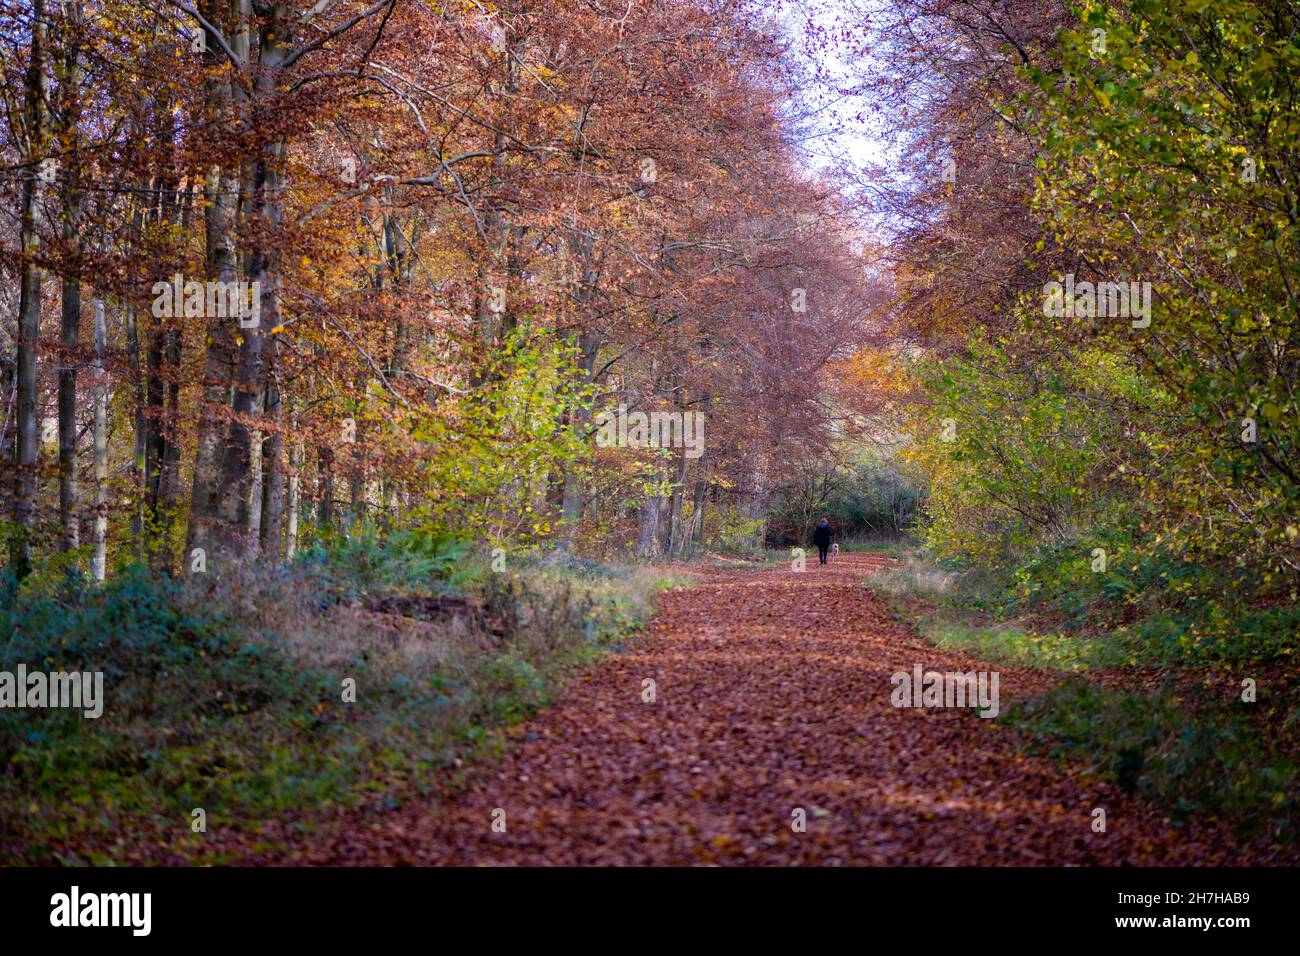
[771, 696]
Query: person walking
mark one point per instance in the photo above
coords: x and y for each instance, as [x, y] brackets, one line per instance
[822, 538]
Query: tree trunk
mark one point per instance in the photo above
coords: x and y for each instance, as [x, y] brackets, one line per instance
[325, 486]
[153, 422]
[267, 209]
[29, 304]
[208, 530]
[169, 483]
[100, 560]
[8, 386]
[272, 525]
[574, 494]
[695, 531]
[648, 535]
[69, 339]
[138, 452]
[295, 484]
[676, 519]
[70, 318]
[253, 512]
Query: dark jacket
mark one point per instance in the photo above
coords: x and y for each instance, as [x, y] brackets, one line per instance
[822, 536]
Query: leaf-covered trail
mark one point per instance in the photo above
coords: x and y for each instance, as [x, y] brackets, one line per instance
[772, 694]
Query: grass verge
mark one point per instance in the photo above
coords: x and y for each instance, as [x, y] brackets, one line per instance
[1136, 704]
[365, 670]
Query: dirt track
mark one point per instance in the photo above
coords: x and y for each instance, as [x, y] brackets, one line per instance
[772, 695]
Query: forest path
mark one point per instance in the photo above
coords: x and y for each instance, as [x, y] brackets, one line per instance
[772, 695]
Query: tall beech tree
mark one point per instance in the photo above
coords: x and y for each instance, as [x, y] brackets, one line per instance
[461, 231]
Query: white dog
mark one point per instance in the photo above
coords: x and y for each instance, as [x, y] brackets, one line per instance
[835, 549]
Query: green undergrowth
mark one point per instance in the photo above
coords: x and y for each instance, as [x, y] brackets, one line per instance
[1148, 624]
[227, 694]
[1052, 611]
[1199, 759]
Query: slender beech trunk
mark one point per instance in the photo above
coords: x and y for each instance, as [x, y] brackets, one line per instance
[295, 484]
[253, 509]
[70, 317]
[677, 517]
[272, 523]
[69, 342]
[29, 303]
[356, 462]
[574, 494]
[8, 389]
[695, 529]
[153, 420]
[138, 421]
[100, 534]
[324, 486]
[207, 530]
[169, 489]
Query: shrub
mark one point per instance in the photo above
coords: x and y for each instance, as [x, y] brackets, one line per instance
[1213, 761]
[225, 692]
